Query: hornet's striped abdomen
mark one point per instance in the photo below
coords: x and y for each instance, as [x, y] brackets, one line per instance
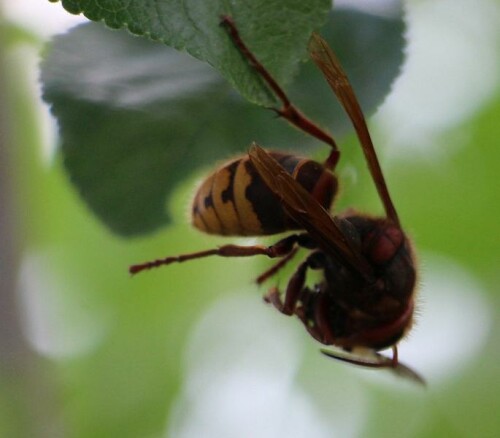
[234, 200]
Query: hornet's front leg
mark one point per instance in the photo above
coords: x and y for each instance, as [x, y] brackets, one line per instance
[295, 287]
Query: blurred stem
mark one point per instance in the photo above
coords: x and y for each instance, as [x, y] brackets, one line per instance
[27, 394]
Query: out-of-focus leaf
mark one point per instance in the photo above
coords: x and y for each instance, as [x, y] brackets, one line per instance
[277, 30]
[133, 116]
[136, 117]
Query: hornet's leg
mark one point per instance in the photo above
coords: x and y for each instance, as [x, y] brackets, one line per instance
[288, 111]
[276, 267]
[279, 249]
[294, 288]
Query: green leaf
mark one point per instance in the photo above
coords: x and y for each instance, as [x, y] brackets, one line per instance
[129, 113]
[136, 118]
[276, 30]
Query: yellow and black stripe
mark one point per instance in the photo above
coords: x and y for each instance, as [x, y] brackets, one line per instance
[234, 200]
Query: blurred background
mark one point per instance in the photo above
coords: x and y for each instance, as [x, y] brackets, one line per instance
[192, 351]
